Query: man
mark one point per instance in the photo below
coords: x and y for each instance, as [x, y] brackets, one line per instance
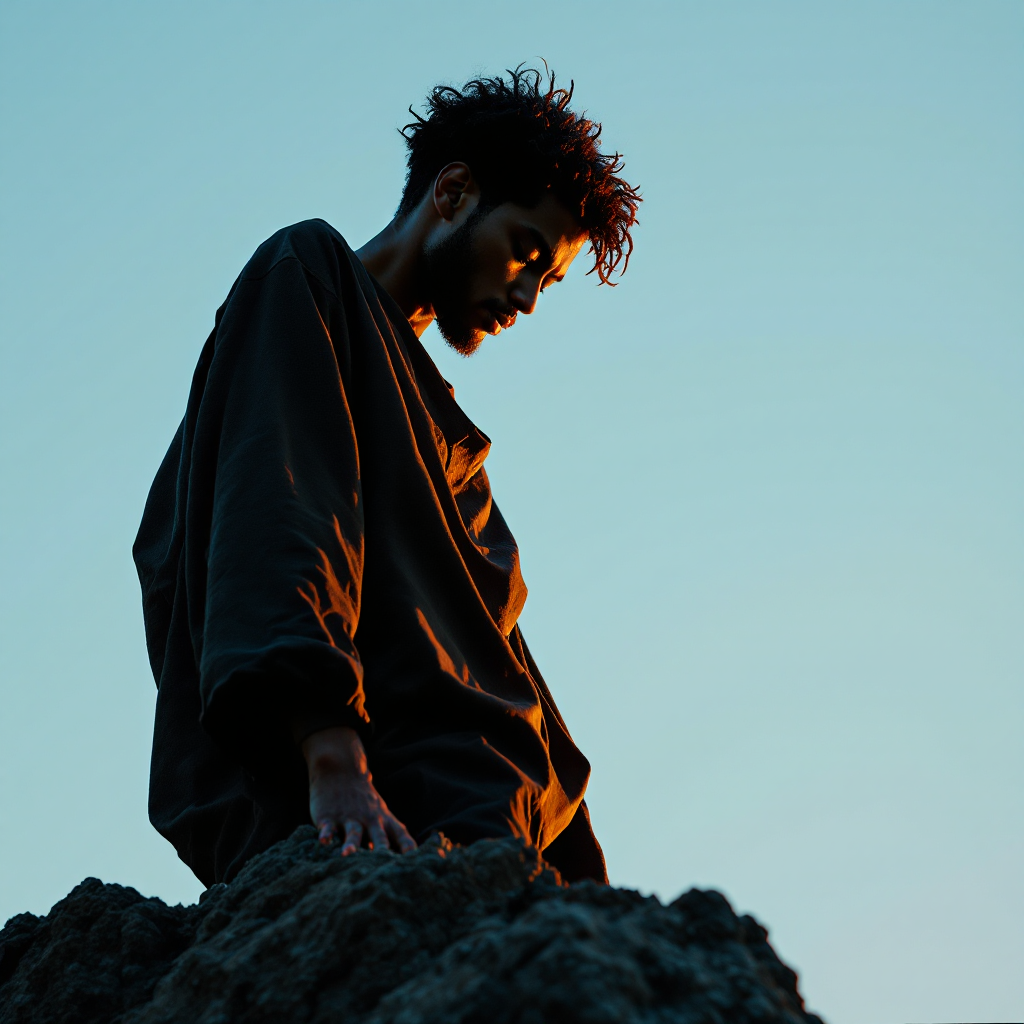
[330, 593]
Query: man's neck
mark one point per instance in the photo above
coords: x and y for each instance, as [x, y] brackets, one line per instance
[393, 257]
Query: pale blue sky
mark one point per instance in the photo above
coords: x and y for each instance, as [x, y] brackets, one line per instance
[769, 491]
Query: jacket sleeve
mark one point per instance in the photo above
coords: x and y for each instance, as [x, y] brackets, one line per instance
[274, 532]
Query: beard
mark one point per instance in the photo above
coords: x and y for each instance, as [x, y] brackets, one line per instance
[447, 269]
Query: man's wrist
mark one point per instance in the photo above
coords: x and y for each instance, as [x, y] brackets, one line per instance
[336, 750]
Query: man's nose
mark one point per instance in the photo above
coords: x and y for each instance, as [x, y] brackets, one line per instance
[524, 294]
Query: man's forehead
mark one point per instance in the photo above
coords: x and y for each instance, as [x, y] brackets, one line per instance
[555, 219]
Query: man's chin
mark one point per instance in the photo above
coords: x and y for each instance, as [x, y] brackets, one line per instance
[465, 340]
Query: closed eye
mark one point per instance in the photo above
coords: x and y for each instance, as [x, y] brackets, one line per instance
[524, 257]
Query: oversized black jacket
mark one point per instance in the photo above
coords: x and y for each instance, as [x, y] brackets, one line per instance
[320, 545]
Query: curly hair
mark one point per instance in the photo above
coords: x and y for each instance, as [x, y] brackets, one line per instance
[520, 139]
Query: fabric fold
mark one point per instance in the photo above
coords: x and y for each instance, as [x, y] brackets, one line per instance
[321, 547]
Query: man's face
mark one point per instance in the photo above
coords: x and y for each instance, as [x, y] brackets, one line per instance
[493, 266]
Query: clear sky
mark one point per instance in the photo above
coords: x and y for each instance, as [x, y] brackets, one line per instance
[769, 491]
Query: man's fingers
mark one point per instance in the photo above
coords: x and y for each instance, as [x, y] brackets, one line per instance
[400, 834]
[328, 830]
[378, 837]
[353, 837]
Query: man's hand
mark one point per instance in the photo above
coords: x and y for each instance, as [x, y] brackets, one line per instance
[342, 796]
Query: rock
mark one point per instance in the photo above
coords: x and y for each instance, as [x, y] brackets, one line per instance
[454, 935]
[100, 951]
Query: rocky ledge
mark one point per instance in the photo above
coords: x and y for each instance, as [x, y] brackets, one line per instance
[488, 933]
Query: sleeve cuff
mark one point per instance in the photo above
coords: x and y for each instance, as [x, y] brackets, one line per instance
[305, 723]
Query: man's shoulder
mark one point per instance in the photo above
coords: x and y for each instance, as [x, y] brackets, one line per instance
[318, 246]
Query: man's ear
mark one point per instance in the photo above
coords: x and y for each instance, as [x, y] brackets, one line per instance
[455, 188]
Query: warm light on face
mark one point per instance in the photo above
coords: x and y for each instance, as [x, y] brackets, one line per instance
[494, 266]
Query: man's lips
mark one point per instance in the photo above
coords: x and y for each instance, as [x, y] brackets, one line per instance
[496, 321]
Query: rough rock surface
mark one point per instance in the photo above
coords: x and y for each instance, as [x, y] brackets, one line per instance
[482, 934]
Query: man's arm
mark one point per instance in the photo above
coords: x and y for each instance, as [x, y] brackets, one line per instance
[342, 796]
[273, 515]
